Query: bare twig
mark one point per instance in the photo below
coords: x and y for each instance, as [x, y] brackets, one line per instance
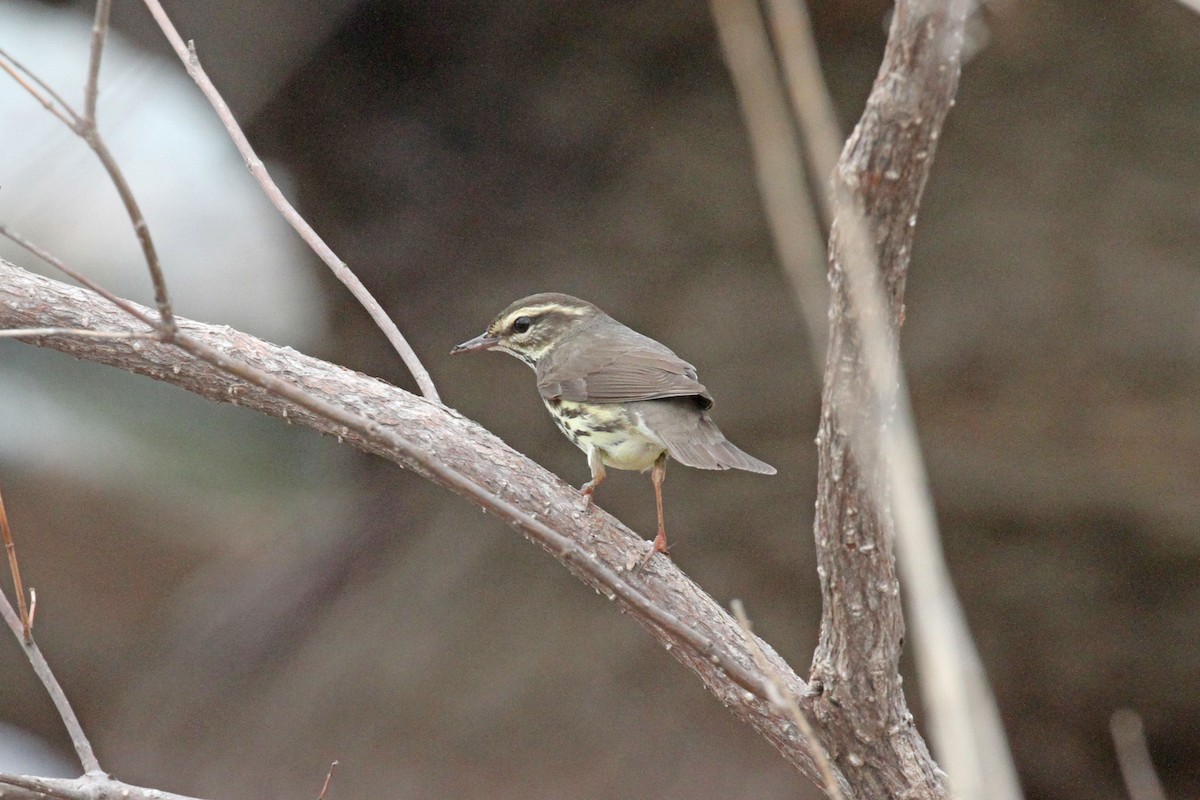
[1137, 769]
[328, 778]
[779, 695]
[187, 54]
[85, 127]
[37, 89]
[91, 90]
[26, 616]
[20, 333]
[132, 309]
[798, 237]
[83, 747]
[811, 103]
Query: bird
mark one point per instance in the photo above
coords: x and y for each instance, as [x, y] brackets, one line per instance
[627, 401]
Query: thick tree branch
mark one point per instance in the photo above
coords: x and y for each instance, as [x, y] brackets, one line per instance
[877, 190]
[443, 446]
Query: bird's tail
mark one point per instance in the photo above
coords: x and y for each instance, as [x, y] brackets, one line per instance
[696, 440]
[723, 454]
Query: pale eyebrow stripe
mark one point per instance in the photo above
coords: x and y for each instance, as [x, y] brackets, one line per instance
[533, 311]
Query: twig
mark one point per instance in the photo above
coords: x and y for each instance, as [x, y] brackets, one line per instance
[811, 103]
[18, 587]
[785, 701]
[91, 89]
[328, 778]
[18, 333]
[798, 237]
[132, 309]
[85, 128]
[17, 71]
[187, 54]
[83, 747]
[1133, 756]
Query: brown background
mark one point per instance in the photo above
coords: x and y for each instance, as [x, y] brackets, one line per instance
[460, 155]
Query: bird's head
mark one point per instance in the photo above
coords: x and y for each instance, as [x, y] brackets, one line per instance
[533, 326]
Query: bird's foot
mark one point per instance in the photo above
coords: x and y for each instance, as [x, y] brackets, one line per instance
[659, 545]
[587, 490]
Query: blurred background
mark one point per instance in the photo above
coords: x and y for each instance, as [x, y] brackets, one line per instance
[233, 603]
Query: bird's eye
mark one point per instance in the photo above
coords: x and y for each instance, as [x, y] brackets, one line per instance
[522, 324]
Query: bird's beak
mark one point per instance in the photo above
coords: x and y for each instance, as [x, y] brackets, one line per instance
[483, 341]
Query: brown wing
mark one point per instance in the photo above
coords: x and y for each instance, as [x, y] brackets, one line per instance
[610, 363]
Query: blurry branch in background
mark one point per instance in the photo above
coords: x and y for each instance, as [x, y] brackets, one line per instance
[83, 747]
[877, 186]
[328, 780]
[779, 170]
[796, 48]
[94, 782]
[10, 547]
[1137, 770]
[187, 54]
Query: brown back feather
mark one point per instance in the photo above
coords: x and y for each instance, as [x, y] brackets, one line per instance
[607, 362]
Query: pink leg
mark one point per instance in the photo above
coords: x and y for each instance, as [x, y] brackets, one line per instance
[657, 475]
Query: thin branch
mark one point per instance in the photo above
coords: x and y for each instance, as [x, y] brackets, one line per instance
[49, 101]
[88, 787]
[14, 567]
[91, 91]
[161, 298]
[328, 779]
[779, 170]
[187, 54]
[1137, 768]
[83, 747]
[787, 702]
[442, 446]
[811, 103]
[132, 309]
[20, 333]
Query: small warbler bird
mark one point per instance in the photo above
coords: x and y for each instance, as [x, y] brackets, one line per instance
[624, 399]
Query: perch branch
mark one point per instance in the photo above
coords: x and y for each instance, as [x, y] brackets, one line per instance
[442, 446]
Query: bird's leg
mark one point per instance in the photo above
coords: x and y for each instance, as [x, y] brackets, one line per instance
[597, 467]
[657, 475]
